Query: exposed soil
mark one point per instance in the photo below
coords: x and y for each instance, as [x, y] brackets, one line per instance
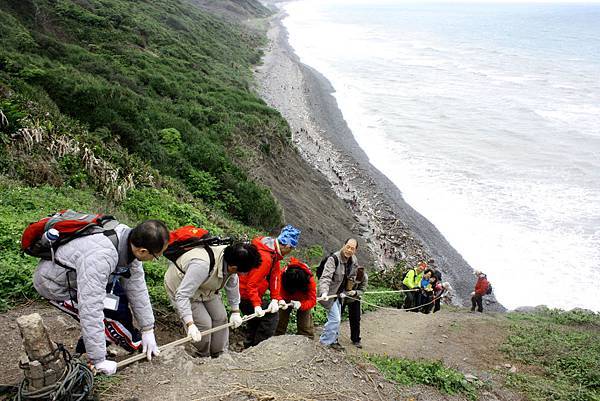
[293, 367]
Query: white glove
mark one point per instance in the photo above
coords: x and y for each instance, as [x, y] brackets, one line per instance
[259, 311]
[194, 333]
[323, 296]
[107, 367]
[282, 304]
[343, 295]
[236, 319]
[149, 346]
[273, 306]
[472, 294]
[351, 293]
[296, 305]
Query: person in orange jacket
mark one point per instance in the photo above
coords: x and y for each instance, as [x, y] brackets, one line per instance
[481, 288]
[299, 288]
[255, 283]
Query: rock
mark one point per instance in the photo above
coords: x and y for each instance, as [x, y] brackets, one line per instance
[471, 378]
[444, 336]
[441, 341]
[513, 369]
[507, 365]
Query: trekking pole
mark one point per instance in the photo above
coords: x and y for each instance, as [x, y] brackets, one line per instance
[184, 340]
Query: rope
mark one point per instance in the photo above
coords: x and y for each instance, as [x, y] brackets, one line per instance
[185, 340]
[76, 383]
[393, 309]
[390, 291]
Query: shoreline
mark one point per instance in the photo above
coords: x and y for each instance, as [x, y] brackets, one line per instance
[392, 229]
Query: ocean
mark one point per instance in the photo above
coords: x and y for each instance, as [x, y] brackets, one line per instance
[487, 118]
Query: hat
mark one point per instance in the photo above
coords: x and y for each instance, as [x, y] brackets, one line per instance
[289, 236]
[422, 264]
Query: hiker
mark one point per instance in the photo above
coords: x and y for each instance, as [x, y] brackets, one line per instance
[438, 284]
[426, 290]
[481, 288]
[447, 294]
[267, 276]
[412, 281]
[193, 284]
[339, 266]
[355, 288]
[97, 281]
[299, 288]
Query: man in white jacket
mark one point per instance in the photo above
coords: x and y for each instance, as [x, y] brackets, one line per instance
[99, 281]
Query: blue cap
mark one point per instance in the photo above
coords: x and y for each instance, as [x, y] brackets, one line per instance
[289, 236]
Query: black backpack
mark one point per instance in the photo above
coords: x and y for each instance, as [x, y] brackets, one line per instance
[321, 266]
[489, 289]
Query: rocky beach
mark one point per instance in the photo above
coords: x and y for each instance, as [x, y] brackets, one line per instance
[392, 230]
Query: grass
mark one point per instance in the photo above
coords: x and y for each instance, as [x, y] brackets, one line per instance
[21, 205]
[406, 372]
[153, 92]
[561, 354]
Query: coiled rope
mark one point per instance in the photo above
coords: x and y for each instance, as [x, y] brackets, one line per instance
[76, 383]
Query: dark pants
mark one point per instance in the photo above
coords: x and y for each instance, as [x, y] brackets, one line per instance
[118, 325]
[477, 299]
[354, 318]
[304, 321]
[411, 299]
[259, 328]
[437, 305]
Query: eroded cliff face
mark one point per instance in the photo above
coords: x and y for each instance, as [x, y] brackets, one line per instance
[329, 188]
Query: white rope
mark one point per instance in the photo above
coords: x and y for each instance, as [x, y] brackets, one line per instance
[390, 291]
[393, 309]
[185, 340]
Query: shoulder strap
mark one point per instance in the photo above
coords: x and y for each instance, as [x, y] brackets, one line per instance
[335, 259]
[211, 258]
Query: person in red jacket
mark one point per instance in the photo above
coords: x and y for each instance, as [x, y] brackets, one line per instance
[480, 290]
[298, 287]
[255, 283]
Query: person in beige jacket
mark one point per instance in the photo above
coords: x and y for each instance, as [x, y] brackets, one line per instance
[193, 286]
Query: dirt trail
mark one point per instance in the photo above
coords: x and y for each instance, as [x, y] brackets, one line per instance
[295, 368]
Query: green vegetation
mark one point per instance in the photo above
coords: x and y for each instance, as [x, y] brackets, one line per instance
[565, 346]
[431, 373]
[112, 95]
[21, 205]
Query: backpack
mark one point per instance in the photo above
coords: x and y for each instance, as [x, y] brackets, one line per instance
[70, 225]
[489, 289]
[186, 238]
[321, 266]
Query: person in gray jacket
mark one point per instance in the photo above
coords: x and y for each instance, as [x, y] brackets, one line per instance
[193, 287]
[356, 285]
[340, 266]
[97, 282]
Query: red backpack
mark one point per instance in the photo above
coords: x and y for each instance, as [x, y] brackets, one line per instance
[186, 238]
[70, 225]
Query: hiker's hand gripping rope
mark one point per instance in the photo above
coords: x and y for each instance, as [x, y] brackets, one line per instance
[187, 339]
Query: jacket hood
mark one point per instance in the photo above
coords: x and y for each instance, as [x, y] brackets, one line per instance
[297, 263]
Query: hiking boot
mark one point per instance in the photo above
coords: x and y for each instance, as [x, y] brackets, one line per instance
[357, 344]
[337, 346]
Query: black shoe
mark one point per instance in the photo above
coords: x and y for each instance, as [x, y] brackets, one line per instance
[337, 346]
[357, 344]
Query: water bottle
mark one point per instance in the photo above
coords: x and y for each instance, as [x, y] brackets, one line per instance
[49, 237]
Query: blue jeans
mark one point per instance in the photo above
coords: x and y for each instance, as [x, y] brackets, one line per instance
[332, 327]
